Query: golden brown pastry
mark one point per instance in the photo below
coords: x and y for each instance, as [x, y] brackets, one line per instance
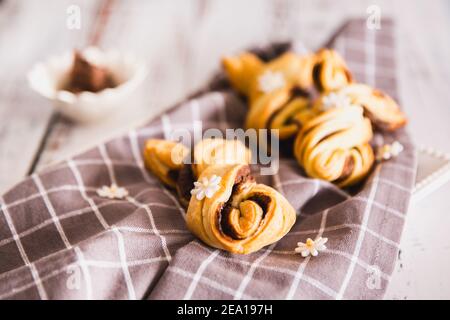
[206, 153]
[380, 108]
[287, 71]
[165, 159]
[284, 110]
[330, 71]
[228, 209]
[334, 146]
[242, 70]
[254, 78]
[240, 215]
[219, 151]
[275, 90]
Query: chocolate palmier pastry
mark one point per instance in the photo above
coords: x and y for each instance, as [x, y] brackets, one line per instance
[234, 213]
[380, 108]
[206, 153]
[330, 71]
[165, 159]
[334, 146]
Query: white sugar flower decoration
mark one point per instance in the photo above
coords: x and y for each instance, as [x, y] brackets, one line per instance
[206, 187]
[112, 192]
[335, 100]
[311, 247]
[389, 151]
[270, 81]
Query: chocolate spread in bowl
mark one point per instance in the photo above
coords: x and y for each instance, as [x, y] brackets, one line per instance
[85, 76]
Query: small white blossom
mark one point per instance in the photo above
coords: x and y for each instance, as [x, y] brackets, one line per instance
[206, 187]
[335, 100]
[112, 192]
[311, 247]
[389, 151]
[270, 81]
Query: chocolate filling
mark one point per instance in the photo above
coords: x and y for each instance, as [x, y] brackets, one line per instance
[224, 227]
[274, 51]
[173, 175]
[296, 92]
[185, 183]
[317, 69]
[262, 200]
[85, 76]
[224, 212]
[243, 175]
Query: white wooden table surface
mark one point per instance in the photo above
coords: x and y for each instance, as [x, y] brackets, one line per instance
[182, 42]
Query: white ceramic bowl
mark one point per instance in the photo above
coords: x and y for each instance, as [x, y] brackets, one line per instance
[47, 78]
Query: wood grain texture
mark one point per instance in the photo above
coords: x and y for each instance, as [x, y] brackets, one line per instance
[29, 31]
[182, 42]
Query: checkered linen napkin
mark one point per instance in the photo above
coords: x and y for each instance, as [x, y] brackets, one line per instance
[60, 240]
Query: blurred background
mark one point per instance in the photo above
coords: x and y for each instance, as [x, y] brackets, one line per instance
[182, 41]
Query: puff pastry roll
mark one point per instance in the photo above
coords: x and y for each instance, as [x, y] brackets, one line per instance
[330, 71]
[284, 110]
[242, 70]
[219, 151]
[334, 146]
[241, 216]
[165, 159]
[287, 71]
[254, 78]
[206, 153]
[276, 90]
[380, 108]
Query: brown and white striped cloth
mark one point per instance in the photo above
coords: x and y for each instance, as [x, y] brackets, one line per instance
[60, 240]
